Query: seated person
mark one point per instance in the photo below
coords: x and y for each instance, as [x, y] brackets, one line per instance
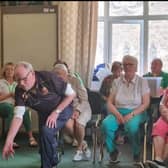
[106, 85]
[156, 71]
[116, 70]
[128, 100]
[67, 138]
[81, 113]
[7, 91]
[160, 135]
[75, 74]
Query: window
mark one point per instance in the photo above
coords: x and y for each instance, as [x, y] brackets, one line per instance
[158, 41]
[125, 40]
[122, 8]
[100, 44]
[138, 28]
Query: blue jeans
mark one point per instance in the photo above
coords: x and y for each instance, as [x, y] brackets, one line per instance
[110, 125]
[48, 141]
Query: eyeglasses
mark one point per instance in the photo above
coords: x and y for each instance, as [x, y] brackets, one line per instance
[128, 64]
[24, 78]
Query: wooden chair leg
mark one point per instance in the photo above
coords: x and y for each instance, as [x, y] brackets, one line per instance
[153, 152]
[101, 152]
[145, 143]
[94, 135]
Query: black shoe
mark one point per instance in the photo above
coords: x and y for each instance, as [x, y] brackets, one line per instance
[114, 157]
[136, 158]
[155, 164]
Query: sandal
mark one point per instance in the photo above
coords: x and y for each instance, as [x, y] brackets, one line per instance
[32, 142]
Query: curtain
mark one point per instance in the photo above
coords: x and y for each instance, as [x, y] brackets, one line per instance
[78, 36]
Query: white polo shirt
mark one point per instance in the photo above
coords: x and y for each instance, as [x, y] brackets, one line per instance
[129, 95]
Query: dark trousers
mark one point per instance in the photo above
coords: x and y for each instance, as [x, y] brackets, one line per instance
[48, 141]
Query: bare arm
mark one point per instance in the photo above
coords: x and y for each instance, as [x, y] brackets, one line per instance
[51, 120]
[8, 147]
[5, 96]
[140, 109]
[67, 100]
[113, 109]
[164, 112]
[81, 98]
[144, 105]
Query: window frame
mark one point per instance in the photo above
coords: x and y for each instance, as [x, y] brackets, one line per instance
[142, 19]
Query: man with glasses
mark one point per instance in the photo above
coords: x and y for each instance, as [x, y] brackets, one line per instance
[51, 97]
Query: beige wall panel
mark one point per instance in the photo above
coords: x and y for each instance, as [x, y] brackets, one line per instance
[30, 37]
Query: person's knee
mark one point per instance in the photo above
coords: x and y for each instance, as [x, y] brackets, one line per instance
[133, 128]
[79, 125]
[8, 108]
[69, 124]
[46, 131]
[157, 139]
[134, 131]
[108, 125]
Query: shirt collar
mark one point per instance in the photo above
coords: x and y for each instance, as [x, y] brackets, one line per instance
[132, 81]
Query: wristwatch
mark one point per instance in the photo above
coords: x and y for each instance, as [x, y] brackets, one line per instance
[58, 111]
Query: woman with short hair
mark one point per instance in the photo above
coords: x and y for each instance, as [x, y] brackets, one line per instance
[81, 113]
[127, 102]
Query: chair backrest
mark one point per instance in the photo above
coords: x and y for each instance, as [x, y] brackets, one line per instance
[97, 103]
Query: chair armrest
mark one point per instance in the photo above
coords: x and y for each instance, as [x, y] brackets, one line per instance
[145, 126]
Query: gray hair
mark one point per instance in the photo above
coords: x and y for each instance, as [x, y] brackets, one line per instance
[61, 66]
[26, 65]
[129, 57]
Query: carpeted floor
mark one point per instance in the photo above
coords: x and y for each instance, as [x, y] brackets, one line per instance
[26, 157]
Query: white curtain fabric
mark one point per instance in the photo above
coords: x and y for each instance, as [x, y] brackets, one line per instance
[78, 36]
